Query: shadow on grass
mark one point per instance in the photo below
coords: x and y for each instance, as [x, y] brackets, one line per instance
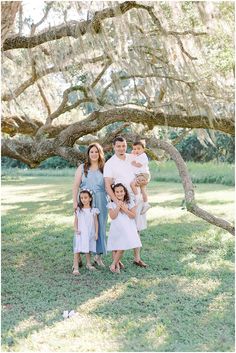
[159, 309]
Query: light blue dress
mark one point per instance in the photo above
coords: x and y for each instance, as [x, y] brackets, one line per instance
[95, 182]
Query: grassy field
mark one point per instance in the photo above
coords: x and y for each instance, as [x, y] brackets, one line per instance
[184, 300]
[211, 172]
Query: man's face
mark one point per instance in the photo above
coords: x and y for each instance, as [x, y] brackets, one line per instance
[120, 148]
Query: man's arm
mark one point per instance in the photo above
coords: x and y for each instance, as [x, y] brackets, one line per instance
[108, 183]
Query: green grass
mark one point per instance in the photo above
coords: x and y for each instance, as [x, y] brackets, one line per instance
[211, 172]
[184, 300]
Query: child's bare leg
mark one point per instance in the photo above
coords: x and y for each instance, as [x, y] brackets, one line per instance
[89, 266]
[119, 265]
[76, 263]
[113, 254]
[144, 193]
[134, 187]
[116, 259]
[88, 259]
[75, 227]
[146, 205]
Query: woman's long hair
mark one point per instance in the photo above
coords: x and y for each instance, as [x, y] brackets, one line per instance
[126, 197]
[101, 158]
[80, 205]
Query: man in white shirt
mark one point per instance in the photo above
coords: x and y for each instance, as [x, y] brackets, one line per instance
[118, 169]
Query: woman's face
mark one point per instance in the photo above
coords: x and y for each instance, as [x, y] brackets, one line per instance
[93, 154]
[119, 193]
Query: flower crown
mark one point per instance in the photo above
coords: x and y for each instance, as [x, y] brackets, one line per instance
[88, 190]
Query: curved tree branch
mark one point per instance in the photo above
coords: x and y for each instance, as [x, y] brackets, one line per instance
[96, 120]
[189, 190]
[71, 29]
[76, 29]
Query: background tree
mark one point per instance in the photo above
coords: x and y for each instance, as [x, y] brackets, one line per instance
[84, 66]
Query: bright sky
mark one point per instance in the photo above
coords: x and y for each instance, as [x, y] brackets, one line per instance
[34, 10]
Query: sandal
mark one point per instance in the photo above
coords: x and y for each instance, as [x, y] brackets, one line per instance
[75, 272]
[140, 263]
[113, 270]
[98, 261]
[90, 267]
[121, 265]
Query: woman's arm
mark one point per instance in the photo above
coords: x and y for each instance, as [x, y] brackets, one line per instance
[76, 224]
[76, 185]
[113, 213]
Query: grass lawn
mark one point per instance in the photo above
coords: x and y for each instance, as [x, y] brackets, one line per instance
[184, 300]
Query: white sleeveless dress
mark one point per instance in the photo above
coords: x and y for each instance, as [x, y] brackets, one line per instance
[123, 233]
[85, 242]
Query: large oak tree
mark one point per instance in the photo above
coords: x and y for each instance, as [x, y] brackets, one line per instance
[82, 67]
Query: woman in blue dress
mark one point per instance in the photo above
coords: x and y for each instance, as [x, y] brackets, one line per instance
[90, 176]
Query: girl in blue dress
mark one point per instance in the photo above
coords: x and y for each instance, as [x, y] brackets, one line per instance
[90, 176]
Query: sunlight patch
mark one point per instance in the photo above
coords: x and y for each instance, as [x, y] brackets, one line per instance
[157, 335]
[52, 218]
[74, 334]
[158, 212]
[220, 303]
[28, 324]
[109, 295]
[197, 287]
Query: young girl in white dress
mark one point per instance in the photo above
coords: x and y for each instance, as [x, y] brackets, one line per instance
[123, 233]
[86, 230]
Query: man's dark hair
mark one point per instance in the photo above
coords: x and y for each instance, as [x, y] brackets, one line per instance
[118, 138]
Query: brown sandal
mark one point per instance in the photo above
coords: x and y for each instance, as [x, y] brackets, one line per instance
[140, 263]
[121, 265]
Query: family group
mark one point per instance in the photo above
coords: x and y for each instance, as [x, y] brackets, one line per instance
[118, 188]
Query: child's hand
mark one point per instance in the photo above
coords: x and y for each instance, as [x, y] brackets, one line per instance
[124, 207]
[96, 236]
[136, 164]
[119, 204]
